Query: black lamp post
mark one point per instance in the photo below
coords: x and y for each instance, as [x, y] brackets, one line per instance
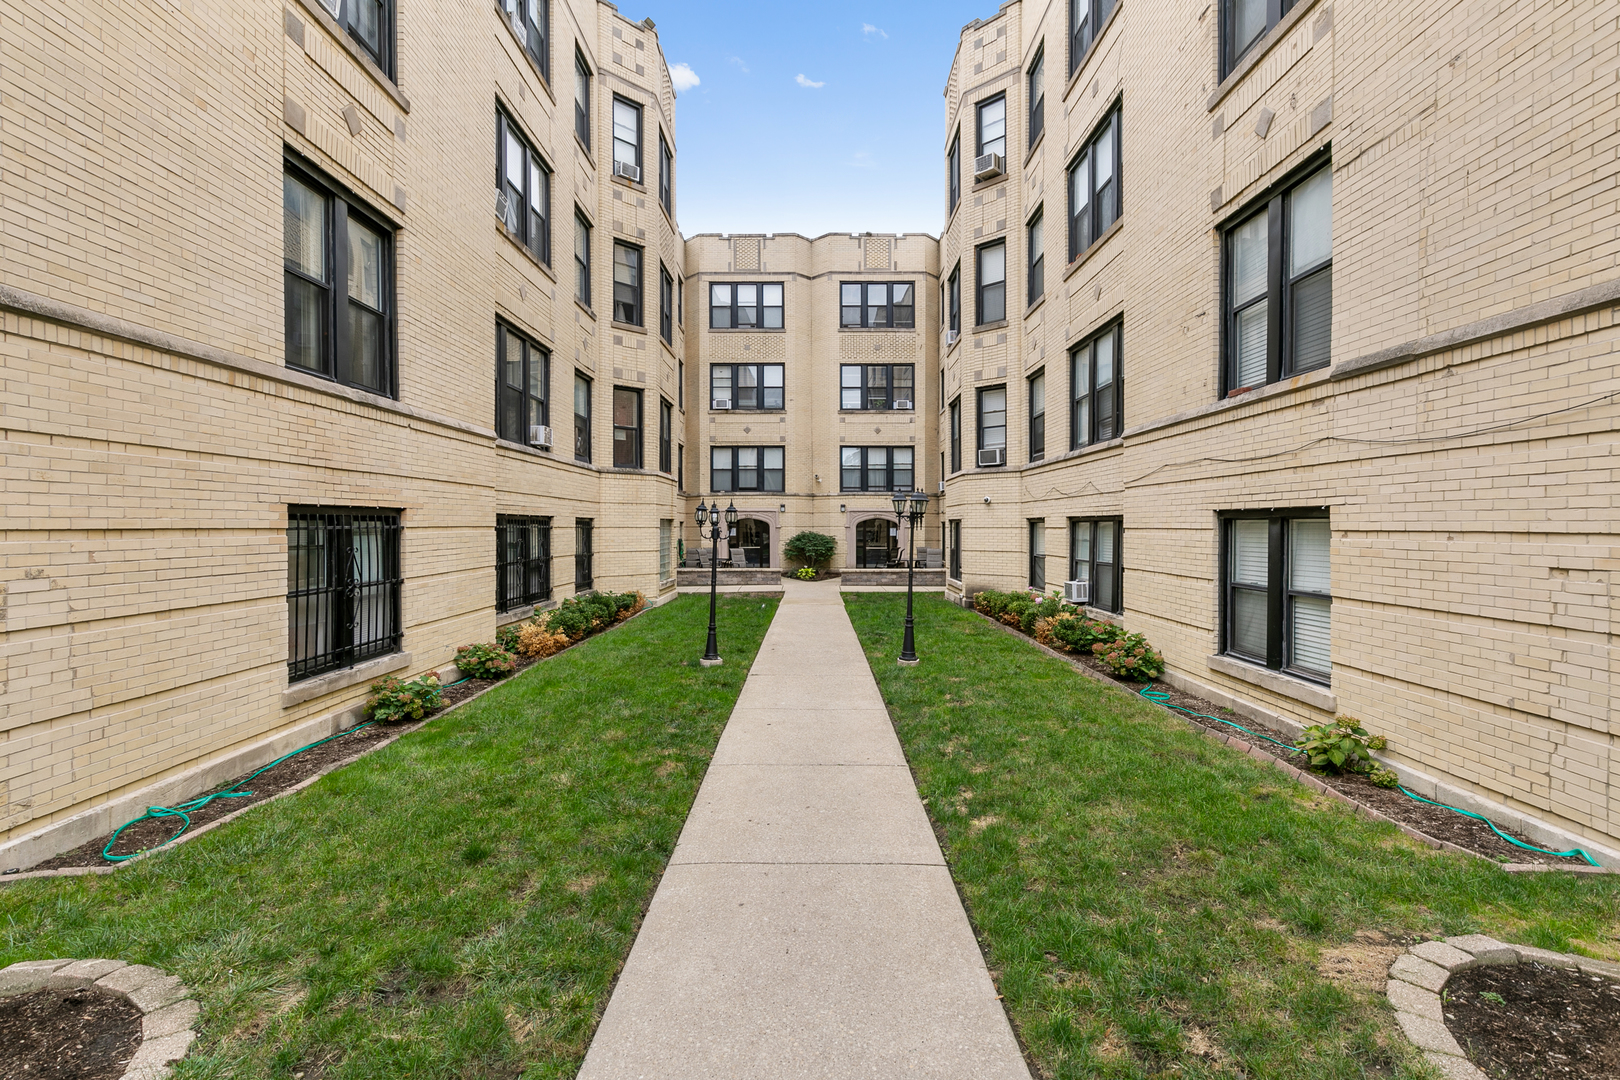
[716, 528]
[912, 507]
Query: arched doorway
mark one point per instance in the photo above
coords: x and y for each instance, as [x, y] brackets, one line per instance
[752, 544]
[877, 542]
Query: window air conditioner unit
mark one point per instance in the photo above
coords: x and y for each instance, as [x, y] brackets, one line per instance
[942, 487]
[518, 28]
[720, 404]
[628, 171]
[986, 166]
[902, 404]
[540, 435]
[993, 457]
[503, 205]
[951, 336]
[1077, 592]
[334, 6]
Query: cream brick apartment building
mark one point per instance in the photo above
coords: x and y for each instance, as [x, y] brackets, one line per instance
[1374, 420]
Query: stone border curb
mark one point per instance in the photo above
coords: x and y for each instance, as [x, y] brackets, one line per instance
[168, 1011]
[1303, 777]
[1418, 976]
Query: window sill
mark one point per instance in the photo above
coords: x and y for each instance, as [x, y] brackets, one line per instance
[633, 185]
[507, 444]
[630, 328]
[366, 671]
[585, 308]
[523, 47]
[1071, 455]
[748, 412]
[1034, 146]
[877, 329]
[1036, 306]
[1289, 686]
[527, 250]
[1263, 393]
[747, 329]
[878, 412]
[589, 157]
[1257, 53]
[518, 614]
[984, 328]
[986, 185]
[357, 54]
[1096, 246]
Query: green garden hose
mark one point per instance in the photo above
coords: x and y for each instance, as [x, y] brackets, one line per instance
[1162, 697]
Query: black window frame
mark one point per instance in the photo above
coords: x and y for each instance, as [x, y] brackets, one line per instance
[584, 554]
[333, 605]
[627, 295]
[887, 315]
[536, 34]
[1107, 579]
[517, 409]
[954, 305]
[640, 111]
[1037, 559]
[522, 561]
[1037, 419]
[956, 434]
[385, 55]
[335, 348]
[666, 175]
[666, 435]
[981, 288]
[1281, 295]
[954, 543]
[1035, 93]
[890, 469]
[1233, 51]
[1097, 216]
[666, 305]
[734, 310]
[582, 266]
[628, 451]
[888, 395]
[520, 221]
[760, 386]
[1035, 256]
[953, 170]
[1103, 402]
[582, 421]
[980, 428]
[1277, 591]
[1083, 33]
[978, 125]
[584, 82]
[762, 472]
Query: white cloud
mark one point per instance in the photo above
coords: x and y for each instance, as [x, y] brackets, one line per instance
[683, 78]
[809, 84]
[871, 31]
[740, 65]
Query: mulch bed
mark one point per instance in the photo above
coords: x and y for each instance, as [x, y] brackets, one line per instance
[1433, 821]
[81, 1034]
[1539, 1023]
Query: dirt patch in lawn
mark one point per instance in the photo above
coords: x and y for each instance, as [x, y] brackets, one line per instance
[85, 1033]
[1527, 1021]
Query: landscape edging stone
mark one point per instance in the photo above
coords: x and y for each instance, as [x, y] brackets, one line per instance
[168, 1010]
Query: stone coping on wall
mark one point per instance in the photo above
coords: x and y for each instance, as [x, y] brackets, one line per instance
[168, 1011]
[1418, 976]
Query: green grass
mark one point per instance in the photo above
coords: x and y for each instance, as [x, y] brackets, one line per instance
[455, 905]
[1144, 894]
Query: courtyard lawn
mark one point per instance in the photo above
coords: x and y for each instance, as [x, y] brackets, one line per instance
[1153, 904]
[456, 904]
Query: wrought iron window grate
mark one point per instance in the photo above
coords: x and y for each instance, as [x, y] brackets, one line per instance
[343, 588]
[522, 561]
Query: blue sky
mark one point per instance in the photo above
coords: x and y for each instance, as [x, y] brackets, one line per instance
[763, 150]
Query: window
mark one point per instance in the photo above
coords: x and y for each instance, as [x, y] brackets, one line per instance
[582, 417]
[522, 375]
[680, 301]
[1037, 256]
[524, 182]
[956, 435]
[1037, 96]
[626, 428]
[1098, 399]
[993, 423]
[1037, 555]
[666, 176]
[343, 583]
[680, 385]
[582, 100]
[371, 23]
[992, 283]
[1279, 286]
[666, 549]
[531, 21]
[876, 386]
[876, 468]
[955, 304]
[522, 561]
[956, 550]
[339, 277]
[1243, 23]
[993, 126]
[746, 468]
[584, 551]
[1037, 416]
[666, 305]
[666, 435]
[745, 306]
[1086, 18]
[582, 259]
[626, 135]
[680, 468]
[1094, 187]
[1094, 557]
[953, 178]
[887, 304]
[626, 284]
[1278, 597]
[747, 386]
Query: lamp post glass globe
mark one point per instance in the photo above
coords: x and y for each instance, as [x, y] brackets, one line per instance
[702, 514]
[731, 514]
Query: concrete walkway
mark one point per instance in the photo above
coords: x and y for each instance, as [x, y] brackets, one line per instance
[807, 925]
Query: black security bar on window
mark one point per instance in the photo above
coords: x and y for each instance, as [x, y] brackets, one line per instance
[522, 561]
[343, 588]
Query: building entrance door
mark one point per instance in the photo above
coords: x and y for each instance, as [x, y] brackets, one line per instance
[877, 543]
[752, 544]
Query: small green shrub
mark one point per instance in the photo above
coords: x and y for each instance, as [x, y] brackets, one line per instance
[1130, 657]
[487, 661]
[810, 548]
[805, 573]
[1339, 747]
[393, 699]
[507, 636]
[1081, 634]
[1384, 778]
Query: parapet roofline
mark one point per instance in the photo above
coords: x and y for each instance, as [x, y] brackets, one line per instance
[809, 239]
